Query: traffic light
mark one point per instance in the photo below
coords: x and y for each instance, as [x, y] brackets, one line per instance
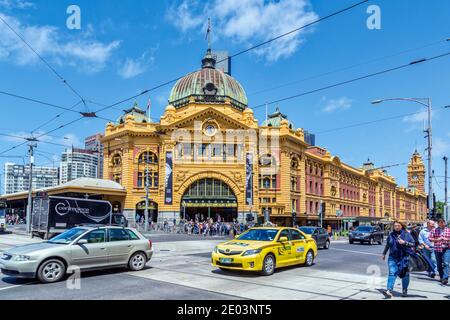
[294, 218]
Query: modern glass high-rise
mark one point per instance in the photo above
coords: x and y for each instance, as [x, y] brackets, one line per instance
[16, 177]
[78, 163]
[93, 143]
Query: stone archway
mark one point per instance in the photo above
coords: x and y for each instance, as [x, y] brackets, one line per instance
[209, 198]
[152, 210]
[209, 174]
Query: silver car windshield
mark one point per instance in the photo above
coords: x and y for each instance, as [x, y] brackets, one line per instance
[68, 236]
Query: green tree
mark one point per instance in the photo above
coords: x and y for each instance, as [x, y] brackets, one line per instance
[439, 207]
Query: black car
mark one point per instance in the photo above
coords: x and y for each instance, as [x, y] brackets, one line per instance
[319, 234]
[369, 234]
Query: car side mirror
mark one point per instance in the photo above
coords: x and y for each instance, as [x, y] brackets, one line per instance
[283, 239]
[82, 241]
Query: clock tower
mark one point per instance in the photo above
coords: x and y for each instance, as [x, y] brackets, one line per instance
[416, 172]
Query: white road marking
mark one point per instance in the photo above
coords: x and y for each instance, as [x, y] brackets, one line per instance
[10, 287]
[361, 252]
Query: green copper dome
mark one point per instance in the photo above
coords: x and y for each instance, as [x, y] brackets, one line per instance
[208, 85]
[274, 120]
[138, 114]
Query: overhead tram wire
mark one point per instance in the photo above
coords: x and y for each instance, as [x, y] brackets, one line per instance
[59, 76]
[26, 140]
[371, 75]
[54, 118]
[348, 67]
[174, 80]
[32, 139]
[361, 124]
[304, 93]
[85, 114]
[352, 80]
[238, 53]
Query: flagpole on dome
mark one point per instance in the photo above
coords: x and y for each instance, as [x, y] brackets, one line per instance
[208, 34]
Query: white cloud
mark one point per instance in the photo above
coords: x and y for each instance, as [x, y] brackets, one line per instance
[339, 104]
[134, 67]
[183, 18]
[440, 147]
[83, 53]
[248, 22]
[419, 117]
[16, 4]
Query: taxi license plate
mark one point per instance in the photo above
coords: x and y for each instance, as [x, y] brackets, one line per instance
[226, 260]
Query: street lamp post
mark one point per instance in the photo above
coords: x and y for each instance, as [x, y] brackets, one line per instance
[147, 194]
[426, 102]
[31, 146]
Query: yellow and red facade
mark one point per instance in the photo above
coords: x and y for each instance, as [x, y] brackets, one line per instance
[287, 177]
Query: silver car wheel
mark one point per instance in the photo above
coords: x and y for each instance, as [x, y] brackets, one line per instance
[269, 265]
[52, 271]
[137, 262]
[309, 258]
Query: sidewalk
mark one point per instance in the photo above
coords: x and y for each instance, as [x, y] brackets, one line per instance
[8, 241]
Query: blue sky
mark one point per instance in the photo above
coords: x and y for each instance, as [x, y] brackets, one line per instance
[124, 47]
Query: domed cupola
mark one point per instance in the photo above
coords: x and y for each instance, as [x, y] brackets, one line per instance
[208, 85]
[137, 113]
[275, 120]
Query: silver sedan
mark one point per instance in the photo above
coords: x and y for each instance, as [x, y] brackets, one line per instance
[86, 248]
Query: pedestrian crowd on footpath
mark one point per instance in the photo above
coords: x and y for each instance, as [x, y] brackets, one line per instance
[209, 227]
[414, 249]
[198, 226]
[14, 219]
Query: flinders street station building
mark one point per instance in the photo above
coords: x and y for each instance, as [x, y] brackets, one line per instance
[209, 157]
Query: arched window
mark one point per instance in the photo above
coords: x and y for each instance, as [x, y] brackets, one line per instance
[116, 160]
[148, 157]
[294, 163]
[267, 160]
[266, 183]
[148, 170]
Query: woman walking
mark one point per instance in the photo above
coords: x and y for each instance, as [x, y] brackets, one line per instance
[400, 244]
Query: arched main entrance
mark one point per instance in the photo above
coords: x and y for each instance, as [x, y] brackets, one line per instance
[209, 198]
[152, 210]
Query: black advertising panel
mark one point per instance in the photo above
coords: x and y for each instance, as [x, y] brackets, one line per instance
[69, 212]
[249, 179]
[169, 178]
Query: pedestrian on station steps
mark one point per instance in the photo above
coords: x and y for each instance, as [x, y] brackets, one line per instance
[399, 244]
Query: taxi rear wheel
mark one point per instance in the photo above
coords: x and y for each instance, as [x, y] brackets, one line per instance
[268, 265]
[309, 260]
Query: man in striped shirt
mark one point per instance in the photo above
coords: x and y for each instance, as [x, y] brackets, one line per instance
[440, 236]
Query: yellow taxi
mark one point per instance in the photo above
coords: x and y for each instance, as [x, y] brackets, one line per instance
[264, 249]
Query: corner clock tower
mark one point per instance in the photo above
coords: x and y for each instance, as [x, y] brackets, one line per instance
[416, 172]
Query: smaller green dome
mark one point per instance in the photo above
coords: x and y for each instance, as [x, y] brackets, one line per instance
[138, 114]
[274, 120]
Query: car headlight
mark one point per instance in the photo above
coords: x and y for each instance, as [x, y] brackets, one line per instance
[21, 258]
[251, 252]
[5, 257]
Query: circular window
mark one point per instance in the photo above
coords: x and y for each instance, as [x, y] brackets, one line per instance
[210, 130]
